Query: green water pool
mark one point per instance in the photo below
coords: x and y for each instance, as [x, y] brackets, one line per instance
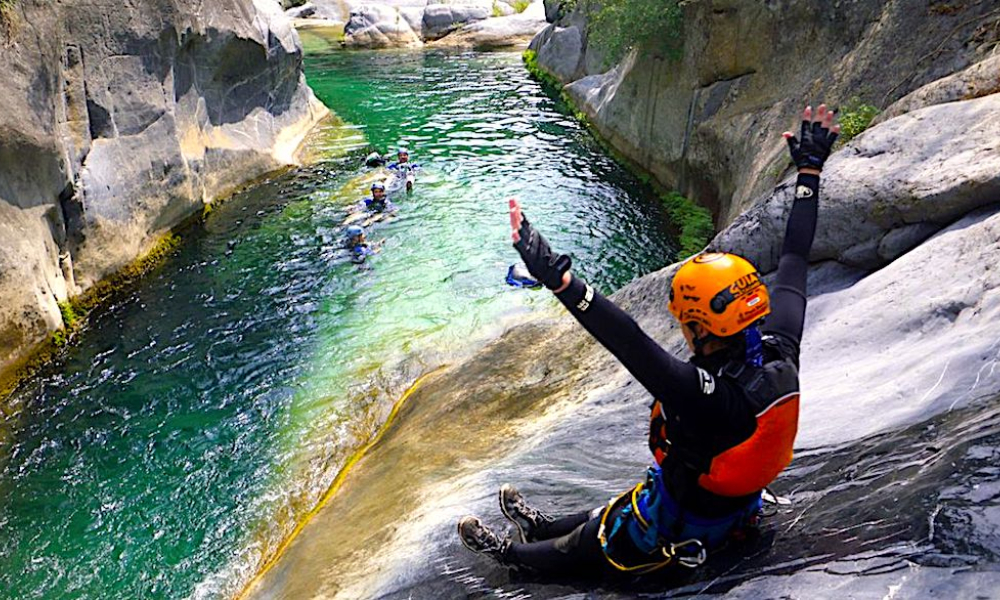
[199, 416]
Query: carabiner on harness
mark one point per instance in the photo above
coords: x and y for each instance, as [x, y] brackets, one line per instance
[693, 560]
[771, 502]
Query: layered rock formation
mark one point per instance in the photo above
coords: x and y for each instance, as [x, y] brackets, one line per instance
[472, 23]
[121, 120]
[705, 124]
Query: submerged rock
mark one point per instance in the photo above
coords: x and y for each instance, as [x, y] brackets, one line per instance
[121, 121]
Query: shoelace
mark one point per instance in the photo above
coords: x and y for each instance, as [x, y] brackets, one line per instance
[532, 514]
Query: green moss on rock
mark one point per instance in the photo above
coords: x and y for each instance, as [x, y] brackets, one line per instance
[855, 117]
[75, 310]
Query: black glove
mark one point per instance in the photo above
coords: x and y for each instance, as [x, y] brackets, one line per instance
[812, 150]
[543, 265]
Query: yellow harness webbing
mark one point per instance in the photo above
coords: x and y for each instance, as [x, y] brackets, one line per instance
[668, 552]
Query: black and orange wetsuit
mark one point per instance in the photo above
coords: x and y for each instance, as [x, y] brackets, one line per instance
[704, 419]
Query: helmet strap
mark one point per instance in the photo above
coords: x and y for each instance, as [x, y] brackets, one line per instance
[699, 342]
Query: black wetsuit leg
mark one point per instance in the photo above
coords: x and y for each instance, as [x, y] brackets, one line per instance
[576, 554]
[560, 526]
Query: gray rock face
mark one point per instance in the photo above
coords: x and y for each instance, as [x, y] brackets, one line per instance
[516, 30]
[552, 10]
[560, 49]
[379, 26]
[888, 188]
[301, 12]
[332, 10]
[705, 124]
[462, 23]
[441, 19]
[120, 122]
[981, 79]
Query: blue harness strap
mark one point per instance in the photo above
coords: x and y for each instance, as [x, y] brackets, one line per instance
[755, 346]
[651, 518]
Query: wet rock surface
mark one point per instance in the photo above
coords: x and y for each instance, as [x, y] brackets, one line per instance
[893, 486]
[122, 121]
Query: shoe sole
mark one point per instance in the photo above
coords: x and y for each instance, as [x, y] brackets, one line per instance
[503, 509]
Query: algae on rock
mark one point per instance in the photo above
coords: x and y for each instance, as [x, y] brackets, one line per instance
[122, 121]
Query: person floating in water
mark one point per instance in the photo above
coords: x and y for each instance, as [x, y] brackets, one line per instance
[722, 424]
[357, 244]
[378, 202]
[373, 209]
[403, 168]
[375, 159]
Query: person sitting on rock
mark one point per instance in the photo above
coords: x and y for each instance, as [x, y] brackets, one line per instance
[722, 425]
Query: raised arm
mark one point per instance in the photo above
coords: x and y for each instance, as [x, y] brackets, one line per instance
[651, 365]
[788, 294]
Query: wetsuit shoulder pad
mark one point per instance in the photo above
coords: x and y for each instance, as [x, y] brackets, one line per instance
[764, 385]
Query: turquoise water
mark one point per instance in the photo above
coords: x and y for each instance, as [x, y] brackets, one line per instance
[199, 416]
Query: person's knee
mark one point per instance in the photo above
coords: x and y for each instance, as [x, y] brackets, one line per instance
[568, 543]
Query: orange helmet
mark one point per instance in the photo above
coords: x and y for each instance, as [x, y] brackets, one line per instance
[723, 292]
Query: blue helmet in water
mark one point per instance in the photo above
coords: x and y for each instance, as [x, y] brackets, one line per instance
[402, 150]
[355, 230]
[378, 185]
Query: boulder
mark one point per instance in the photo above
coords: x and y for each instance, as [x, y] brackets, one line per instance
[301, 12]
[120, 122]
[380, 26]
[560, 50]
[332, 10]
[981, 79]
[552, 9]
[515, 31]
[441, 19]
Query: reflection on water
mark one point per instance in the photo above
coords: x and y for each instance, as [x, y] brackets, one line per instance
[198, 416]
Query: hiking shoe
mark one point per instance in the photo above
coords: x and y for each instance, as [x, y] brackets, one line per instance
[524, 517]
[479, 538]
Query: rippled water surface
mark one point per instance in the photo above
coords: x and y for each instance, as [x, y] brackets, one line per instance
[177, 442]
